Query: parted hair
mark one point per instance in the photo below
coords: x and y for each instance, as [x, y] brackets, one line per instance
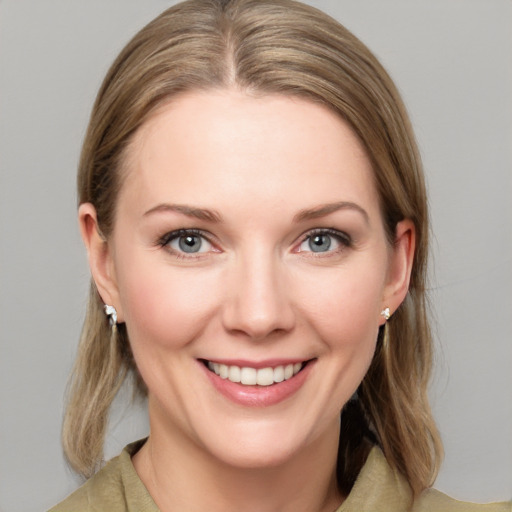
[266, 47]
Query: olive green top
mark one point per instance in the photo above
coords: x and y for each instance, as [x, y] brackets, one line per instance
[118, 488]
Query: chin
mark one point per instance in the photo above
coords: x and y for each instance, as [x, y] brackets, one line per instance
[250, 455]
[258, 445]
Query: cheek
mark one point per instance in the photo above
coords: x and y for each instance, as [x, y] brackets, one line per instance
[343, 304]
[162, 307]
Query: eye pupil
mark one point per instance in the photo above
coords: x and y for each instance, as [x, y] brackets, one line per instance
[190, 243]
[320, 243]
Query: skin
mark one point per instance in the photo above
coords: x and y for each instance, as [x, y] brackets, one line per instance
[265, 167]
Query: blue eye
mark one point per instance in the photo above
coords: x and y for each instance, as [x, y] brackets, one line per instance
[321, 241]
[186, 241]
[189, 243]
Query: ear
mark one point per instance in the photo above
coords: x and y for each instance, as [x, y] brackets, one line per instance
[99, 256]
[400, 266]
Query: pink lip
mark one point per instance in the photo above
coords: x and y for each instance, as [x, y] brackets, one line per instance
[267, 363]
[258, 396]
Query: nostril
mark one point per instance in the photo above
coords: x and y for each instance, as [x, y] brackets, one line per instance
[258, 305]
[258, 325]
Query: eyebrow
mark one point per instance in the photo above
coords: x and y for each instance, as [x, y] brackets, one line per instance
[213, 216]
[189, 211]
[326, 209]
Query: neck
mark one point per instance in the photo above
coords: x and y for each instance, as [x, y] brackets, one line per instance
[179, 475]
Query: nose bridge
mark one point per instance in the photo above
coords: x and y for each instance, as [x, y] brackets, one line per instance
[259, 303]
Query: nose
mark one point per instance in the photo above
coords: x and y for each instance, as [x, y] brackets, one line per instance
[259, 304]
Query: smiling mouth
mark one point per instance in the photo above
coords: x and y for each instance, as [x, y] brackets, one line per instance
[248, 376]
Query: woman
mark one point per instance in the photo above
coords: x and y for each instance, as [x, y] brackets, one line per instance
[254, 211]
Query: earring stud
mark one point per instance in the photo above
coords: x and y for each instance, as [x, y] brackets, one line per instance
[111, 312]
[385, 313]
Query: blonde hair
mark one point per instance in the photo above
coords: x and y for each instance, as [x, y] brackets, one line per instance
[284, 47]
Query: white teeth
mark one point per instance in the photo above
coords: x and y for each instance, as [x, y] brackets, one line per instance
[248, 376]
[279, 374]
[265, 377]
[251, 376]
[234, 374]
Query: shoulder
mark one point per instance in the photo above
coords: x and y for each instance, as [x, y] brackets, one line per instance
[434, 501]
[381, 488]
[116, 488]
[103, 491]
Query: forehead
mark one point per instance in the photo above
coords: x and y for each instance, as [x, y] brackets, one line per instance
[232, 144]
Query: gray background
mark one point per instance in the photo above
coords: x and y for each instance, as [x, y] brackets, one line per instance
[452, 62]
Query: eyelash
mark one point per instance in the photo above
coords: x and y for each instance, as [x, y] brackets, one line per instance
[166, 240]
[343, 238]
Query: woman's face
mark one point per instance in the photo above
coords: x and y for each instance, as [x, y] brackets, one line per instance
[249, 245]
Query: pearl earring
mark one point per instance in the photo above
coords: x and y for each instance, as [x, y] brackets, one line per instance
[111, 312]
[385, 313]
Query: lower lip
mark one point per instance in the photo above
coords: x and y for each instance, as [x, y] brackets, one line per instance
[258, 396]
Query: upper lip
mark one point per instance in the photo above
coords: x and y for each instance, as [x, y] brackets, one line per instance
[266, 363]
